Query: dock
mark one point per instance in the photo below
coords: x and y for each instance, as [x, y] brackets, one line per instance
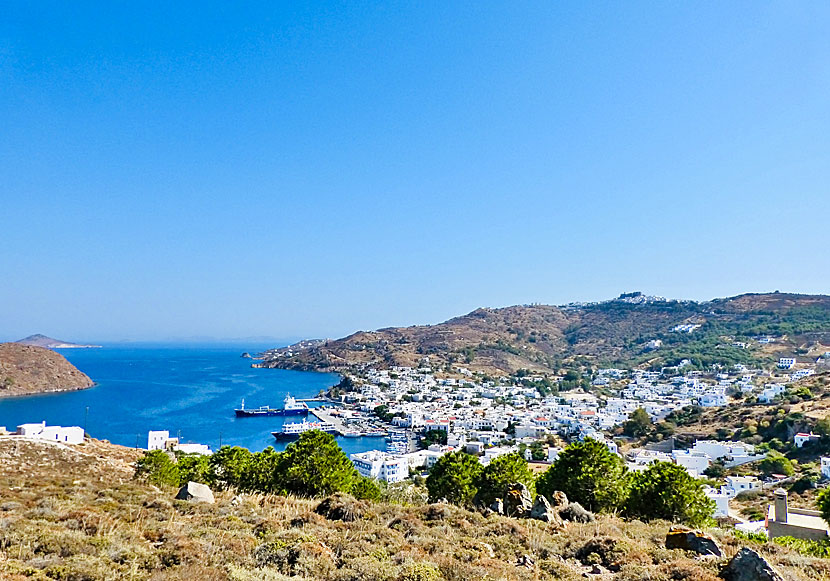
[325, 416]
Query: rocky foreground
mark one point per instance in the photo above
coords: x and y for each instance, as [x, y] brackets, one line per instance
[27, 369]
[76, 513]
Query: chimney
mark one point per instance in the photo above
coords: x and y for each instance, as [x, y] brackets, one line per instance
[781, 505]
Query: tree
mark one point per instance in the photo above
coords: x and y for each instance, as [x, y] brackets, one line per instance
[314, 465]
[366, 489]
[433, 437]
[453, 477]
[666, 491]
[638, 424]
[588, 473]
[231, 467]
[823, 500]
[193, 468]
[776, 463]
[157, 467]
[501, 471]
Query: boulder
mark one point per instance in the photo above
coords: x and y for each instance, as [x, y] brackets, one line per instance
[195, 492]
[575, 512]
[543, 511]
[748, 565]
[497, 506]
[559, 498]
[691, 540]
[517, 501]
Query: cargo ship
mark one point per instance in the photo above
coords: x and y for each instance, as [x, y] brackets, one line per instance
[291, 407]
[294, 430]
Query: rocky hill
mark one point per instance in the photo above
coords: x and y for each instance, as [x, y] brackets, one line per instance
[630, 330]
[26, 369]
[74, 512]
[39, 340]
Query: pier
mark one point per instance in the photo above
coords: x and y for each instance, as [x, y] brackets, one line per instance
[325, 416]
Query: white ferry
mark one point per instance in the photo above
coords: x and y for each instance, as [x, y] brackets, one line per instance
[292, 431]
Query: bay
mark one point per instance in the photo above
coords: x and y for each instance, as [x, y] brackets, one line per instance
[189, 390]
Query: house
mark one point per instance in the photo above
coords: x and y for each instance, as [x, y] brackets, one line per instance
[786, 362]
[783, 521]
[721, 502]
[771, 391]
[737, 484]
[694, 462]
[380, 465]
[825, 466]
[65, 435]
[161, 440]
[802, 438]
[713, 398]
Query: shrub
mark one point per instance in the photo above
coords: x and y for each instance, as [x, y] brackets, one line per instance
[501, 471]
[453, 477]
[588, 473]
[666, 491]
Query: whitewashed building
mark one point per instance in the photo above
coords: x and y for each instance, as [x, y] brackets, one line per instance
[380, 465]
[65, 435]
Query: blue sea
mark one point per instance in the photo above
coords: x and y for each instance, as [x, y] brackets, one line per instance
[189, 390]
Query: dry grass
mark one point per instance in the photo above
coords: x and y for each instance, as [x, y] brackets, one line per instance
[74, 527]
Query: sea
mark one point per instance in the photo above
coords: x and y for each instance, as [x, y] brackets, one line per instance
[189, 390]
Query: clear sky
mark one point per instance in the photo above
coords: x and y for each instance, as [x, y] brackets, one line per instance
[270, 169]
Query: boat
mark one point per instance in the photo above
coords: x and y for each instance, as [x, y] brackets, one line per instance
[375, 433]
[291, 407]
[352, 434]
[294, 430]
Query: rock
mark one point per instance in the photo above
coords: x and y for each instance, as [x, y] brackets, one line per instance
[517, 501]
[559, 498]
[543, 511]
[691, 540]
[195, 492]
[575, 512]
[341, 506]
[525, 561]
[748, 565]
[497, 506]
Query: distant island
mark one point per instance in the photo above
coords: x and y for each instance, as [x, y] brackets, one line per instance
[39, 340]
[29, 369]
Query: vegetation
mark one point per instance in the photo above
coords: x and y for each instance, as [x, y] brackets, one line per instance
[666, 491]
[776, 463]
[453, 478]
[314, 465]
[639, 423]
[501, 471]
[588, 473]
[80, 515]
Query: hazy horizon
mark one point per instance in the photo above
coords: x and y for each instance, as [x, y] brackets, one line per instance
[289, 171]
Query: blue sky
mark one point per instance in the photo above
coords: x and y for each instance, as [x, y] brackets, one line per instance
[276, 170]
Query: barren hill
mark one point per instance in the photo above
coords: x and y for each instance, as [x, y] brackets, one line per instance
[620, 331]
[26, 369]
[76, 513]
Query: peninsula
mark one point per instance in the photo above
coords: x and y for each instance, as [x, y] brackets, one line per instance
[27, 370]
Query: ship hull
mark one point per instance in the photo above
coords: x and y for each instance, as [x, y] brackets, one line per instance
[257, 413]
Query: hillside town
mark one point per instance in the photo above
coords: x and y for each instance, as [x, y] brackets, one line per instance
[425, 414]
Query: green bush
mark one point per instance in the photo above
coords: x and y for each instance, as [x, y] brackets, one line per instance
[666, 491]
[588, 473]
[501, 471]
[454, 478]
